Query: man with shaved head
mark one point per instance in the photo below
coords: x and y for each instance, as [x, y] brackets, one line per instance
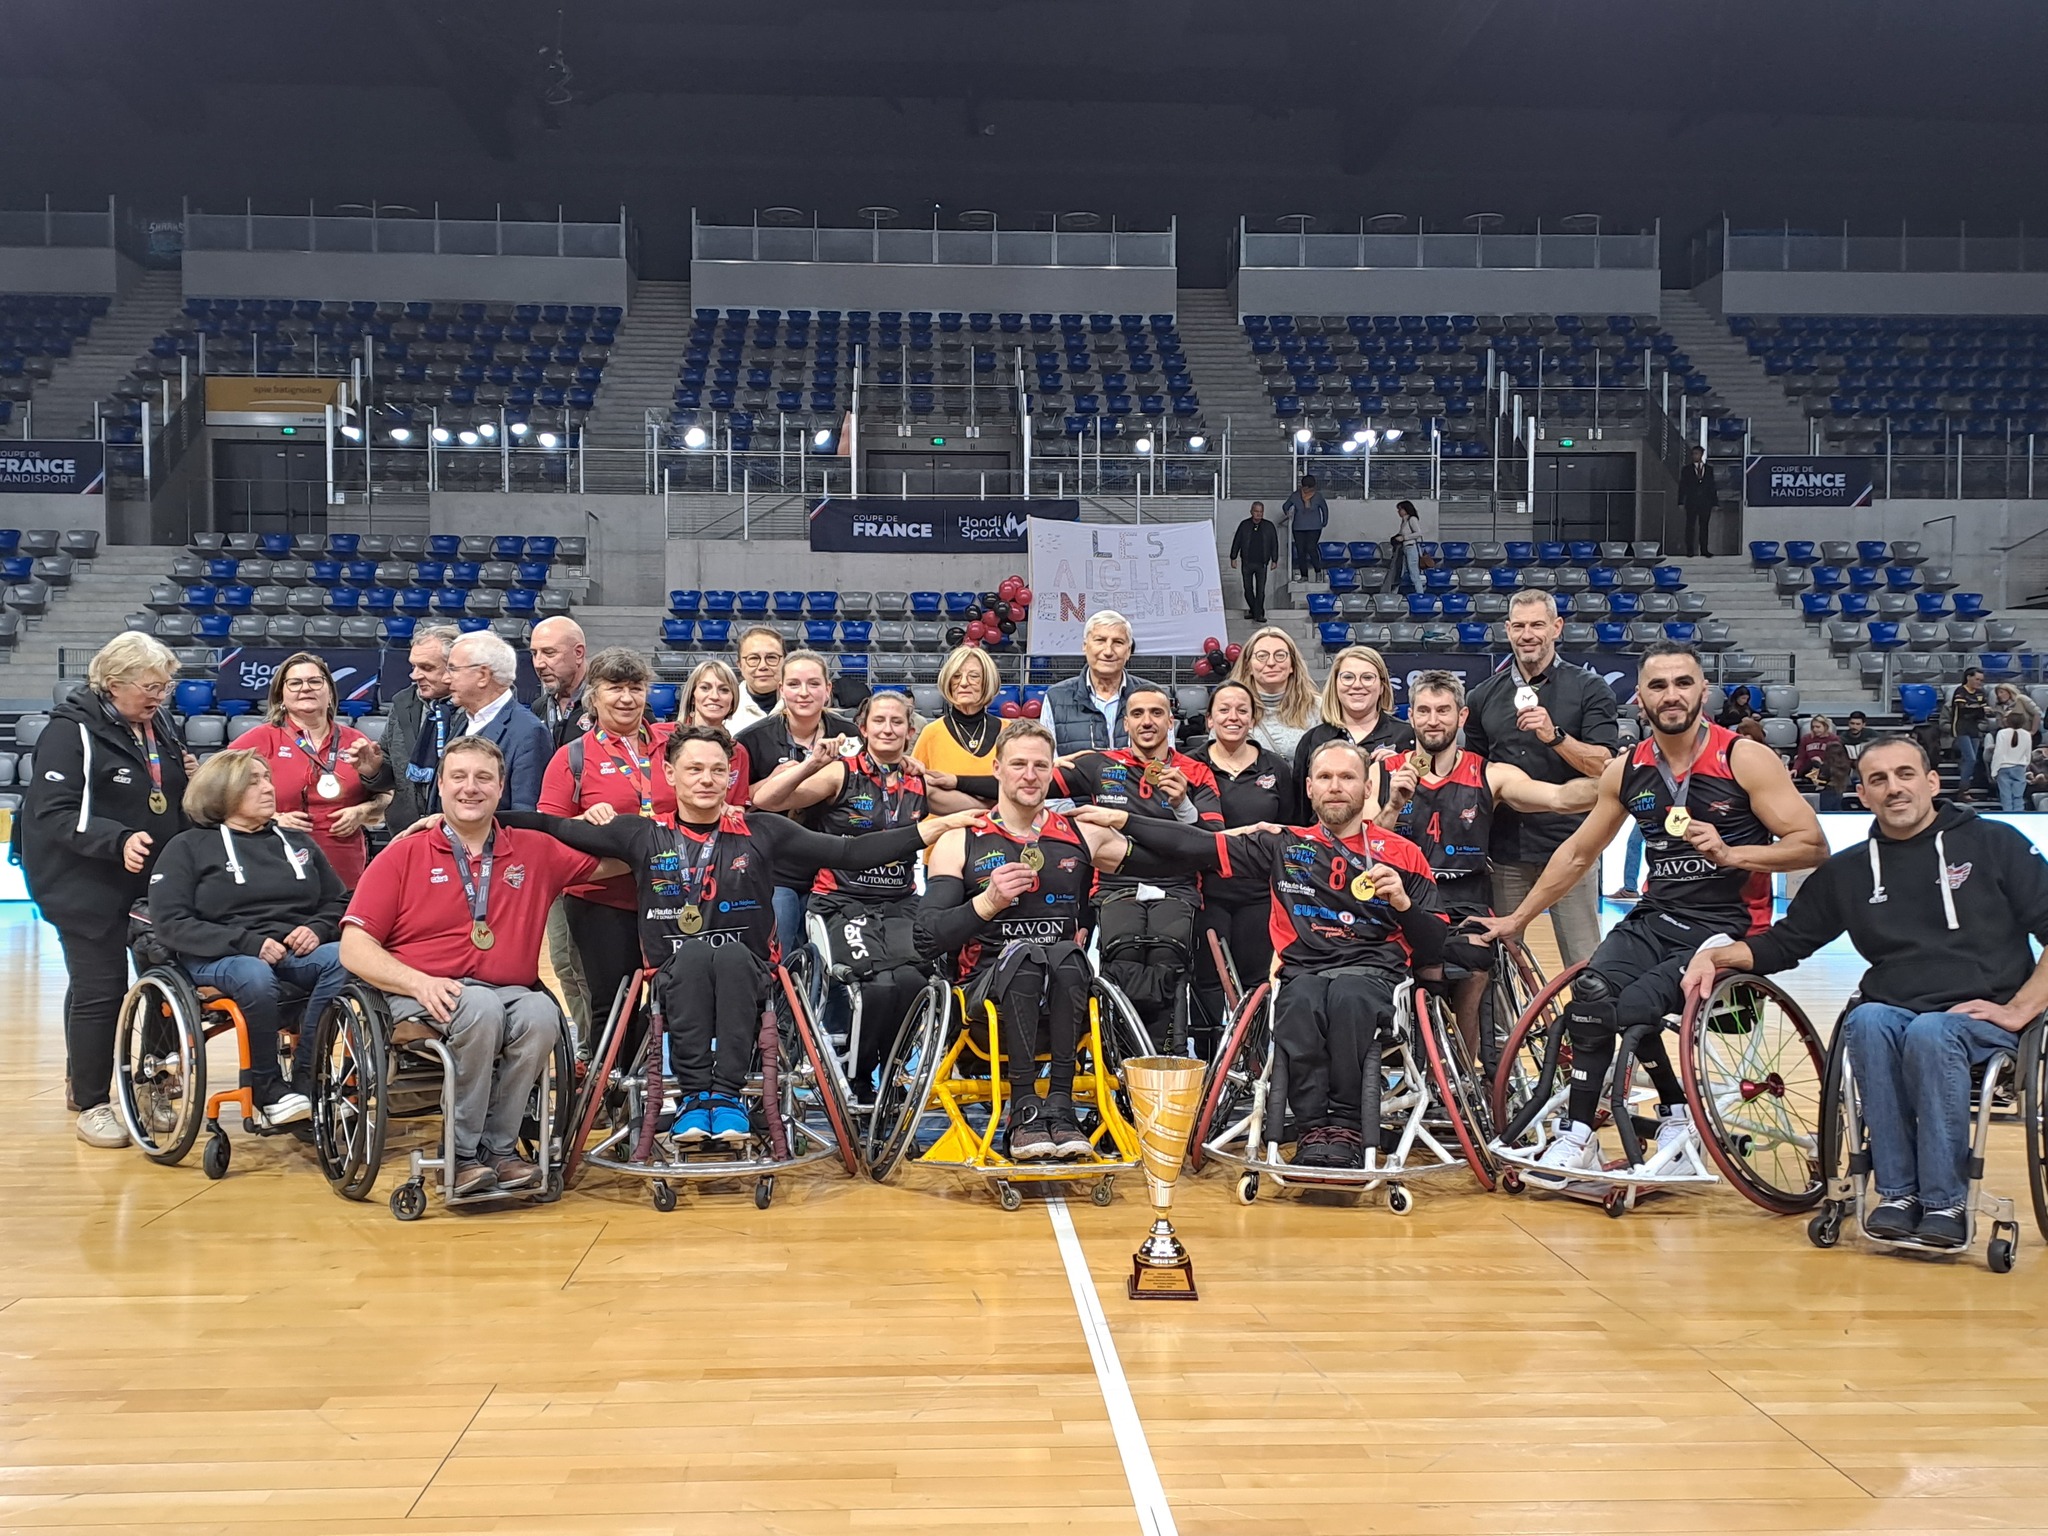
[557, 649]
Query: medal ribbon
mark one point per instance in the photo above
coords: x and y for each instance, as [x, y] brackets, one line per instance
[637, 768]
[1679, 787]
[334, 755]
[882, 776]
[477, 891]
[692, 876]
[156, 762]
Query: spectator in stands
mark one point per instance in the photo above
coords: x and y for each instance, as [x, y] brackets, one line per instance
[1856, 735]
[1271, 665]
[1969, 709]
[1740, 705]
[481, 671]
[1086, 711]
[557, 649]
[1308, 514]
[2006, 697]
[789, 735]
[962, 741]
[254, 908]
[1698, 495]
[711, 697]
[104, 795]
[1357, 706]
[760, 653]
[1407, 555]
[1555, 722]
[417, 729]
[2037, 777]
[2011, 750]
[1820, 730]
[616, 761]
[1257, 544]
[329, 779]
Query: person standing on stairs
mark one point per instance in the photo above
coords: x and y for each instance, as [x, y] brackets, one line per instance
[1698, 495]
[1257, 544]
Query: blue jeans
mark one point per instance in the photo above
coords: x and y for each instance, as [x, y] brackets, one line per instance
[1913, 1083]
[1411, 557]
[1969, 750]
[258, 990]
[1632, 859]
[790, 905]
[2012, 788]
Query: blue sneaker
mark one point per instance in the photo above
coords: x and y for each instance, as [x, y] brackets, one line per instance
[693, 1125]
[729, 1121]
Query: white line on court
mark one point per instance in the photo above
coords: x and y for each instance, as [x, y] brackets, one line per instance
[1155, 1518]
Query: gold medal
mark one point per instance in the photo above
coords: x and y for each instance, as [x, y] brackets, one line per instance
[1362, 888]
[159, 802]
[1033, 857]
[1154, 771]
[691, 919]
[1676, 820]
[480, 934]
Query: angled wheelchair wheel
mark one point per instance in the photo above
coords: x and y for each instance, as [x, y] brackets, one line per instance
[1458, 1084]
[160, 1064]
[1836, 1144]
[1533, 1054]
[1123, 1033]
[1754, 1073]
[1234, 1074]
[2033, 1075]
[548, 1108]
[596, 1085]
[351, 1115]
[908, 1074]
[819, 1078]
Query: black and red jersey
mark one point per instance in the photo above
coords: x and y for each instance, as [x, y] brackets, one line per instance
[872, 797]
[1115, 778]
[1677, 879]
[1318, 921]
[1050, 913]
[1451, 821]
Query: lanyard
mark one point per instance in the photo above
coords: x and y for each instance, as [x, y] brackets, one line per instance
[477, 891]
[291, 857]
[884, 776]
[334, 745]
[1679, 787]
[156, 764]
[636, 767]
[693, 877]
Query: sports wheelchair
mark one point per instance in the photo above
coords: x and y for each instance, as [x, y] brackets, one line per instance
[1183, 1011]
[2020, 1074]
[369, 1070]
[941, 1099]
[796, 1097]
[832, 993]
[1752, 1069]
[160, 1041]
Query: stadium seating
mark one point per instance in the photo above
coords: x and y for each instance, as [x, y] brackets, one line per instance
[37, 331]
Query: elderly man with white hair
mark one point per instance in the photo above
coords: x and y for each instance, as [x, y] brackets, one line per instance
[1086, 711]
[481, 671]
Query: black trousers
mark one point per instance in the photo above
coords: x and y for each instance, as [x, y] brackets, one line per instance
[1308, 551]
[1634, 977]
[608, 939]
[1145, 948]
[1041, 999]
[1254, 590]
[712, 991]
[1699, 522]
[1323, 1026]
[98, 967]
[1246, 932]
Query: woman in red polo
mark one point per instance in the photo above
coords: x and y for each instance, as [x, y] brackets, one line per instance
[331, 780]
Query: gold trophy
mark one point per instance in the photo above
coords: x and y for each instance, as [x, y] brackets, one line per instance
[1165, 1093]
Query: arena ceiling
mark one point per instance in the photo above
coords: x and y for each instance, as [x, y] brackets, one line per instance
[1812, 111]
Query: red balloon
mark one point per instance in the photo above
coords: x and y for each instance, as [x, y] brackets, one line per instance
[1012, 710]
[1233, 651]
[1024, 596]
[1202, 667]
[975, 632]
[1032, 708]
[1008, 588]
[1211, 644]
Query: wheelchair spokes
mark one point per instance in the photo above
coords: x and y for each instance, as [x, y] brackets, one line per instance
[160, 1066]
[1754, 1072]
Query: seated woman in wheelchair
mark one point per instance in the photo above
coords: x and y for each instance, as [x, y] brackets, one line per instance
[707, 918]
[1354, 911]
[1005, 894]
[1941, 903]
[253, 910]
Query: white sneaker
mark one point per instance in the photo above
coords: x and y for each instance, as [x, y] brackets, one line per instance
[1575, 1152]
[289, 1109]
[101, 1126]
[1674, 1128]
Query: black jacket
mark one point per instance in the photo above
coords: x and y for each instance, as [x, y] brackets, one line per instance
[201, 913]
[1256, 543]
[1942, 918]
[401, 730]
[86, 793]
[1697, 492]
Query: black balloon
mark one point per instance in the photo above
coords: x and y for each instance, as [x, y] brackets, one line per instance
[956, 635]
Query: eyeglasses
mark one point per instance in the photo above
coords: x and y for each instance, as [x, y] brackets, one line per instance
[303, 684]
[150, 690]
[760, 658]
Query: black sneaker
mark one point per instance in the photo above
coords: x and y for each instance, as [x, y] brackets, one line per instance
[1026, 1133]
[1064, 1126]
[1895, 1217]
[1330, 1146]
[1944, 1229]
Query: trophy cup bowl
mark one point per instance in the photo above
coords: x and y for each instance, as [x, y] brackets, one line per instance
[1165, 1092]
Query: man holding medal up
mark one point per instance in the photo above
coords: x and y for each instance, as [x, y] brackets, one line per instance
[1720, 816]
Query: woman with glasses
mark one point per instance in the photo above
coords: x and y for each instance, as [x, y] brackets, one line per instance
[331, 780]
[105, 794]
[1271, 666]
[1357, 706]
[961, 743]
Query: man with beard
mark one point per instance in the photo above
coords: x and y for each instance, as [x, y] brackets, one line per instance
[1441, 798]
[1719, 815]
[1354, 911]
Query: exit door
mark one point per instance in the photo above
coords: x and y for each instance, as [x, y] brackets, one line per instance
[1585, 496]
[937, 472]
[269, 487]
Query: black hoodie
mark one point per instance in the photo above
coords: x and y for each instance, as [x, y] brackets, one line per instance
[1942, 917]
[88, 790]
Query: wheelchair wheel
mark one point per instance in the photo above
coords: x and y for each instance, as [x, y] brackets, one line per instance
[1535, 1051]
[559, 1086]
[908, 1073]
[1123, 1033]
[1835, 1147]
[1459, 1087]
[2033, 1074]
[1515, 983]
[818, 1075]
[1754, 1070]
[160, 1065]
[596, 1084]
[350, 1114]
[1234, 1075]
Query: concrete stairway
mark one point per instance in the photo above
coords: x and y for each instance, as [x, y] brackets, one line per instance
[81, 620]
[1226, 379]
[1739, 380]
[63, 407]
[640, 377]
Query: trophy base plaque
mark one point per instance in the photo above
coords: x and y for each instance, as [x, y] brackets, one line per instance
[1161, 1269]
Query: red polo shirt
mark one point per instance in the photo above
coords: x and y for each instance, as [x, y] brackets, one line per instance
[410, 900]
[609, 769]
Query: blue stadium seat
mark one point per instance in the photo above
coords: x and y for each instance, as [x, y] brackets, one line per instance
[1901, 578]
[532, 574]
[466, 574]
[451, 602]
[193, 696]
[1999, 666]
[1506, 578]
[959, 604]
[1669, 578]
[1335, 635]
[521, 603]
[1364, 552]
[1584, 553]
[855, 634]
[1816, 607]
[1520, 553]
[685, 604]
[1829, 578]
[819, 634]
[678, 634]
[718, 602]
[380, 602]
[1883, 635]
[663, 700]
[1873, 552]
[1682, 631]
[1919, 701]
[398, 630]
[1855, 605]
[1765, 553]
[1802, 552]
[788, 605]
[925, 605]
[1335, 555]
[1969, 605]
[713, 634]
[1865, 578]
[1930, 605]
[1343, 579]
[753, 604]
[1322, 605]
[509, 547]
[197, 599]
[1457, 553]
[1421, 605]
[1552, 553]
[821, 604]
[444, 546]
[1611, 636]
[1472, 636]
[416, 602]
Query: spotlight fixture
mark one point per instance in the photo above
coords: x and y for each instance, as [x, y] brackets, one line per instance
[1143, 445]
[353, 434]
[517, 429]
[1197, 443]
[441, 434]
[822, 438]
[1303, 437]
[695, 437]
[1392, 435]
[1349, 445]
[487, 430]
[547, 439]
[401, 434]
[467, 439]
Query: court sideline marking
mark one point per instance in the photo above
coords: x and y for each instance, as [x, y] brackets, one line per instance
[1155, 1517]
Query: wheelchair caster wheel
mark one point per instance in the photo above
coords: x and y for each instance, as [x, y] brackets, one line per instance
[1511, 1181]
[409, 1201]
[1825, 1230]
[1999, 1256]
[664, 1197]
[1247, 1188]
[1399, 1201]
[1009, 1197]
[1103, 1192]
[218, 1154]
[1615, 1203]
[764, 1191]
[552, 1190]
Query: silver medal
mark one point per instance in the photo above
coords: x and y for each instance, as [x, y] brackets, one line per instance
[328, 787]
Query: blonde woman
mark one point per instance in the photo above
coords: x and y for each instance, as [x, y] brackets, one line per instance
[1357, 705]
[712, 697]
[963, 739]
[1273, 668]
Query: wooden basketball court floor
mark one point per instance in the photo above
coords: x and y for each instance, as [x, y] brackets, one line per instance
[256, 1355]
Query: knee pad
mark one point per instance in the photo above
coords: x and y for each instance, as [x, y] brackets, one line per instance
[1589, 1017]
[1468, 952]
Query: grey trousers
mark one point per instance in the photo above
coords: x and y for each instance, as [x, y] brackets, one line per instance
[500, 1038]
[1575, 918]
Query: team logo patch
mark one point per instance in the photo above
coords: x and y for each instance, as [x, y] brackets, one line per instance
[437, 876]
[123, 776]
[1068, 866]
[1302, 854]
[53, 776]
[515, 875]
[739, 865]
[1469, 815]
[1957, 874]
[1267, 780]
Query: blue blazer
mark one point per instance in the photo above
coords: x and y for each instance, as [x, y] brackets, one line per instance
[527, 745]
